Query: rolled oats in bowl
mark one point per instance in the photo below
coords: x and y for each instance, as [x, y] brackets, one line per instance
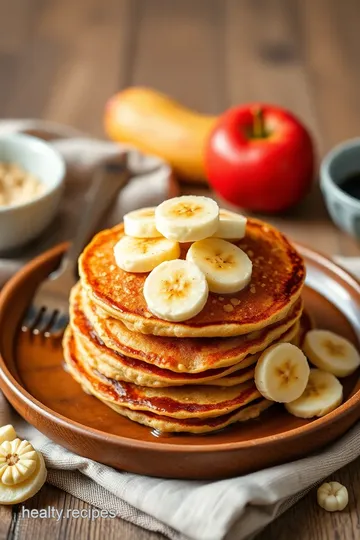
[32, 178]
[17, 185]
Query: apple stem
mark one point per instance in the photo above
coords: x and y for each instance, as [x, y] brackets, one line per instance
[258, 124]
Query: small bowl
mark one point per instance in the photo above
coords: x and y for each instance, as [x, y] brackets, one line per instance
[20, 223]
[339, 163]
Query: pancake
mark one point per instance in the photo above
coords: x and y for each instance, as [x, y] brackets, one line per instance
[176, 402]
[182, 355]
[107, 392]
[294, 335]
[99, 357]
[277, 279]
[164, 424]
[236, 377]
[121, 367]
[307, 324]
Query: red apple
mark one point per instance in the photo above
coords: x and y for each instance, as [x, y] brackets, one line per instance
[260, 157]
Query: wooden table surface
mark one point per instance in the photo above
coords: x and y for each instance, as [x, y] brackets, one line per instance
[61, 60]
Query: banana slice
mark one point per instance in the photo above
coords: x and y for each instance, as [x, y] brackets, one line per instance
[227, 268]
[332, 496]
[176, 290]
[17, 462]
[141, 223]
[322, 395]
[282, 373]
[188, 218]
[231, 226]
[7, 433]
[144, 254]
[28, 487]
[330, 352]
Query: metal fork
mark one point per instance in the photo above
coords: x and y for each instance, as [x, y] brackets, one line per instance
[48, 312]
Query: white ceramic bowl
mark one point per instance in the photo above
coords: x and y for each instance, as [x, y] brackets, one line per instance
[23, 222]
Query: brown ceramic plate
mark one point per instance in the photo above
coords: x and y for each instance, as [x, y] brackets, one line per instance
[34, 381]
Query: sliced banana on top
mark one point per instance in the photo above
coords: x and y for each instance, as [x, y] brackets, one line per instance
[188, 218]
[282, 373]
[141, 223]
[227, 268]
[176, 290]
[330, 352]
[143, 254]
[322, 395]
[231, 226]
[7, 433]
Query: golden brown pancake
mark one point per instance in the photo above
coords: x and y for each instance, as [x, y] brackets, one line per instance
[236, 377]
[121, 367]
[307, 324]
[277, 279]
[177, 402]
[195, 421]
[182, 355]
[294, 335]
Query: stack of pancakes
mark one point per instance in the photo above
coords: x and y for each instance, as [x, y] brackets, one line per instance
[195, 376]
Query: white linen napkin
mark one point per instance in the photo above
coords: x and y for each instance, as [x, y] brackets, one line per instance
[231, 509]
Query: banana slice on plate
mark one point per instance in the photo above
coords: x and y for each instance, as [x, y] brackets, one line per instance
[143, 254]
[332, 496]
[322, 395]
[331, 352]
[141, 223]
[282, 373]
[188, 218]
[176, 290]
[227, 268]
[7, 433]
[231, 226]
[22, 471]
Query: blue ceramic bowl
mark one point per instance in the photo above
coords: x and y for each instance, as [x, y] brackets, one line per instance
[341, 162]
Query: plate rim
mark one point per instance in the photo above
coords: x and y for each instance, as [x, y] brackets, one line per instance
[22, 394]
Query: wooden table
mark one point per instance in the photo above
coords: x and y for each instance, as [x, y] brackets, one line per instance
[61, 60]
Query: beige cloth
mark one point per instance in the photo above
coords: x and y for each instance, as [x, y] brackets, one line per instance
[232, 509]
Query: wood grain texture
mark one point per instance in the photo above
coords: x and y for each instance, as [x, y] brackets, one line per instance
[176, 51]
[306, 520]
[7, 522]
[70, 528]
[60, 60]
